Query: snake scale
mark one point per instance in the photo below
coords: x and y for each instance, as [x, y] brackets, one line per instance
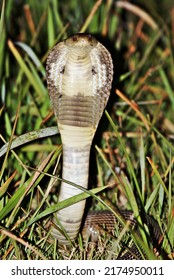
[79, 78]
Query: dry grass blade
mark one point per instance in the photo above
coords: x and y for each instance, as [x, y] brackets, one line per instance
[5, 185]
[134, 106]
[24, 243]
[137, 11]
[90, 16]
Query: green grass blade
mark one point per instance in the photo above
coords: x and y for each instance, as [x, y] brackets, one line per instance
[50, 26]
[65, 203]
[28, 137]
[167, 85]
[21, 192]
[158, 175]
[29, 51]
[130, 167]
[2, 38]
[26, 70]
[151, 198]
[142, 167]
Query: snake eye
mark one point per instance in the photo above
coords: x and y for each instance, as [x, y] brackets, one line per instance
[75, 38]
[81, 40]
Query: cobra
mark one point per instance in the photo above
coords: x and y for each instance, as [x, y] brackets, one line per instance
[79, 78]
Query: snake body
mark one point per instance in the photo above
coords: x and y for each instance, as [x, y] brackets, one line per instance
[105, 220]
[79, 78]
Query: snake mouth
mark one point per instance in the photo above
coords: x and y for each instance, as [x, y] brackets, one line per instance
[81, 40]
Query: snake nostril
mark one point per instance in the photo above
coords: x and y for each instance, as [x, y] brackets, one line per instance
[89, 37]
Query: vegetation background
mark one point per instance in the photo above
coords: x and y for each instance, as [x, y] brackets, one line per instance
[133, 150]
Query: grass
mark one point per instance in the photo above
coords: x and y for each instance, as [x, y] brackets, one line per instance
[133, 147]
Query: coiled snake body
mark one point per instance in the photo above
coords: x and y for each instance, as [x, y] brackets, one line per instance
[79, 78]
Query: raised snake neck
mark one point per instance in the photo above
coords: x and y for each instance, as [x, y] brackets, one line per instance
[79, 78]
